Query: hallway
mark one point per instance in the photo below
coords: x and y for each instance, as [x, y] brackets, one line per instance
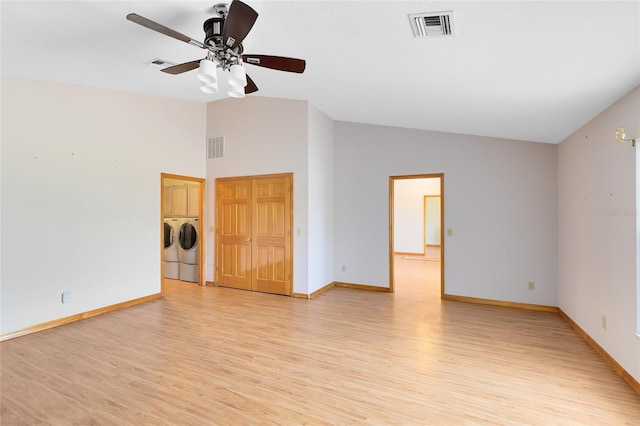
[418, 276]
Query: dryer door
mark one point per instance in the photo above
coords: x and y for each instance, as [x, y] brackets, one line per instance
[168, 235]
[188, 236]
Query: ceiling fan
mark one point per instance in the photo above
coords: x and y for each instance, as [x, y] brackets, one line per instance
[224, 34]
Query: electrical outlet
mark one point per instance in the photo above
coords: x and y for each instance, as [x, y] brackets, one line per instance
[449, 231]
[604, 322]
[66, 297]
[344, 268]
[532, 285]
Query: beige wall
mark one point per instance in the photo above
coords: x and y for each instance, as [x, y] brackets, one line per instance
[598, 233]
[500, 202]
[81, 194]
[321, 229]
[267, 135]
[263, 136]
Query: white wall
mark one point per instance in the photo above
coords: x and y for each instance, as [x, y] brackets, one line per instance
[597, 231]
[81, 194]
[408, 213]
[321, 205]
[500, 201]
[433, 213]
[263, 136]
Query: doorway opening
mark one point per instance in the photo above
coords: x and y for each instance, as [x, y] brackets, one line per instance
[416, 233]
[182, 229]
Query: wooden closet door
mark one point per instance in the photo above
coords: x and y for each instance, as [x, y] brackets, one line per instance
[271, 226]
[233, 221]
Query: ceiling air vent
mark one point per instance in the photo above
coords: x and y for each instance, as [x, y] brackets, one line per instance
[436, 24]
[215, 147]
[159, 63]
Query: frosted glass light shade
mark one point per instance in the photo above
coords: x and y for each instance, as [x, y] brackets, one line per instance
[238, 77]
[236, 92]
[208, 72]
[209, 88]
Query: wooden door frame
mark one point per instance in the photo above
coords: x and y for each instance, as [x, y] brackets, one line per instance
[217, 243]
[392, 180]
[200, 228]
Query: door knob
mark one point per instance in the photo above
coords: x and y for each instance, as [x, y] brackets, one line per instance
[247, 240]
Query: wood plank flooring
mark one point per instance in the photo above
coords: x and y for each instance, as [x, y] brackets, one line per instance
[215, 356]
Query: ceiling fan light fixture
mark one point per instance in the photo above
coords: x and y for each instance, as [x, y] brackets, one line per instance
[207, 72]
[211, 89]
[238, 76]
[236, 92]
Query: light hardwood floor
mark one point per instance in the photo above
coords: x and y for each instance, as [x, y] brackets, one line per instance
[209, 356]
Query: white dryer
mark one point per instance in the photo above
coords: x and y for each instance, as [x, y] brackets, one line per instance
[188, 250]
[171, 250]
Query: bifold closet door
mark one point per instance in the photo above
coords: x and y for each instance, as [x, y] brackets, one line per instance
[272, 235]
[254, 234]
[234, 234]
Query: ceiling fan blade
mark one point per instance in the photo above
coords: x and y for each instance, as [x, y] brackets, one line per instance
[276, 62]
[250, 87]
[148, 23]
[240, 19]
[180, 68]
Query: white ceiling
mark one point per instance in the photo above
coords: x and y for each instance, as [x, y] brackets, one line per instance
[523, 70]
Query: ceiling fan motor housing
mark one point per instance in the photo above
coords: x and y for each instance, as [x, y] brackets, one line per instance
[213, 28]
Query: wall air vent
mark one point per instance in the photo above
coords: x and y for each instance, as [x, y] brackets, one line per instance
[436, 24]
[215, 147]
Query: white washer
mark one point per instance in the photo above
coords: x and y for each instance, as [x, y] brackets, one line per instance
[171, 250]
[172, 270]
[188, 272]
[188, 251]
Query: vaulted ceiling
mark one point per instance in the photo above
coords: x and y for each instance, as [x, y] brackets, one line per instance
[522, 70]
